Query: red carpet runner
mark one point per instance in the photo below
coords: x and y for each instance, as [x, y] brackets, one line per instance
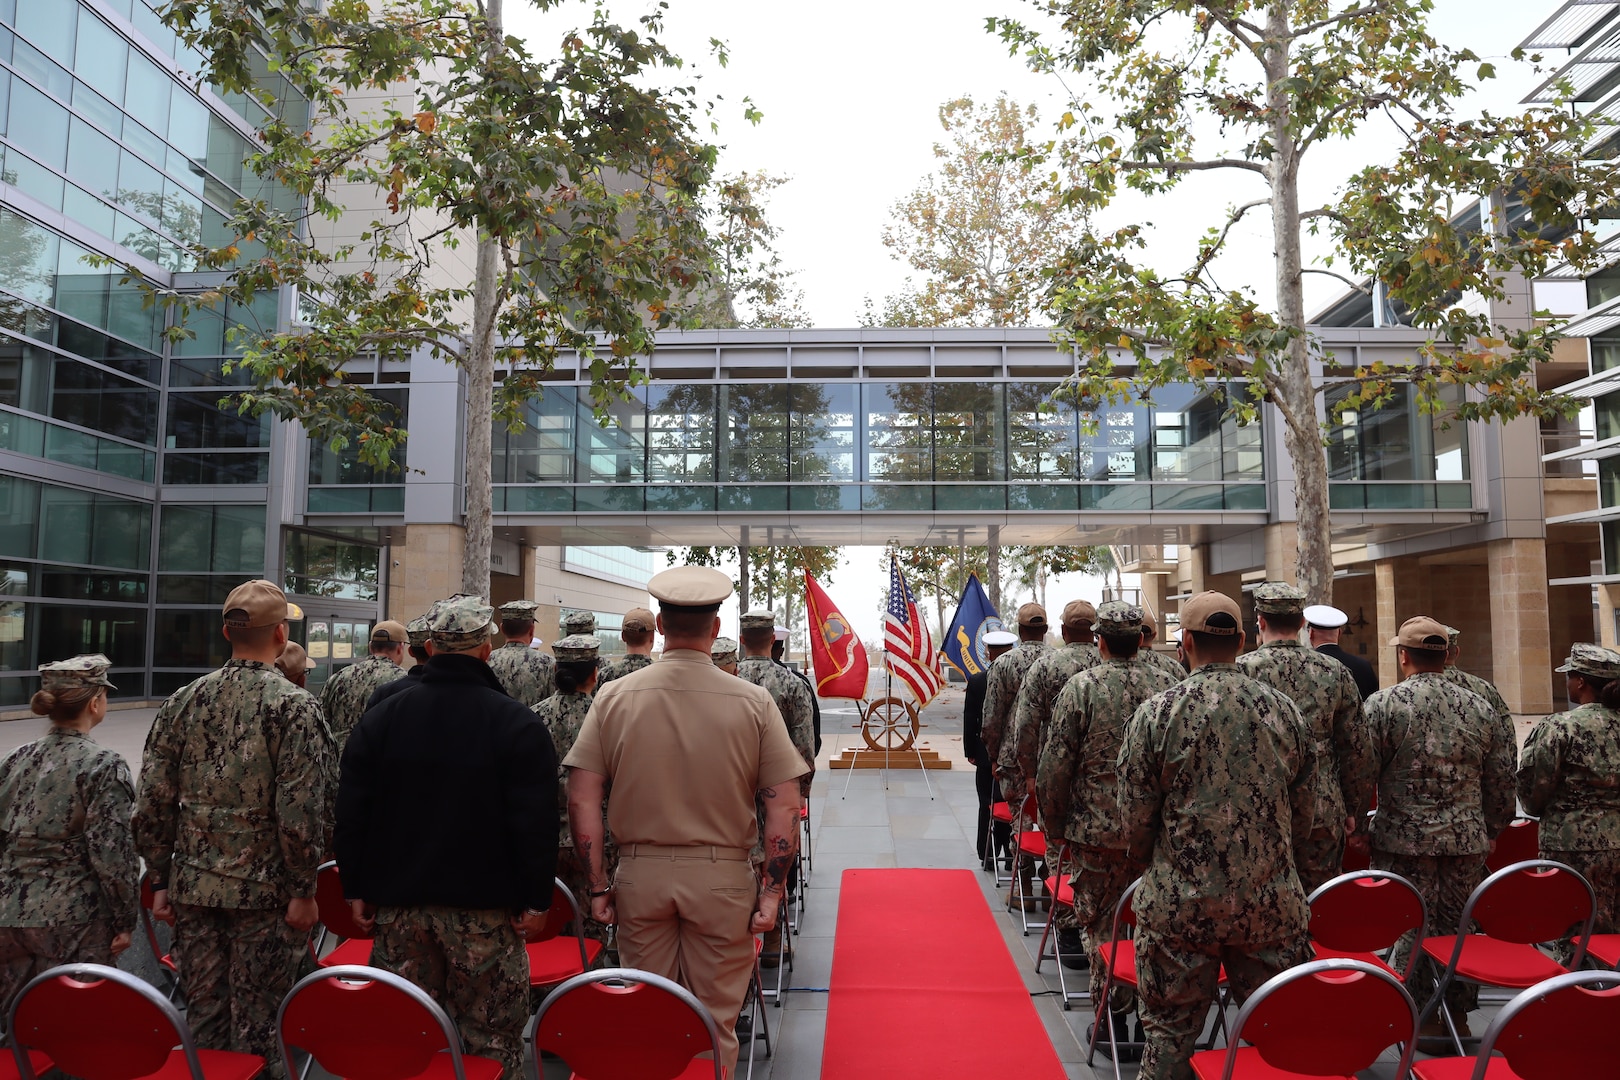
[923, 985]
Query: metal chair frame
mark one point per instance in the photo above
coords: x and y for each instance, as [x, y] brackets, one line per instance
[626, 976]
[1503, 1021]
[149, 925]
[990, 824]
[784, 956]
[559, 888]
[1050, 933]
[1345, 880]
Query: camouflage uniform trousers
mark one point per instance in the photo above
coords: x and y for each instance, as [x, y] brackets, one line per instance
[25, 951]
[236, 965]
[1177, 982]
[1601, 869]
[1319, 859]
[1444, 882]
[576, 876]
[472, 963]
[1100, 878]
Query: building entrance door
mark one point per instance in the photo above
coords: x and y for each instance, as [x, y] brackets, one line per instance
[334, 633]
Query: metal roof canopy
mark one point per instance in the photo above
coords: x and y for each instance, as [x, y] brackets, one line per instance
[1591, 72]
[1571, 25]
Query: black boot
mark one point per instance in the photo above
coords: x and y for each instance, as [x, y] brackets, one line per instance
[1072, 950]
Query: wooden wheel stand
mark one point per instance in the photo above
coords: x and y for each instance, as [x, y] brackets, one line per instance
[889, 727]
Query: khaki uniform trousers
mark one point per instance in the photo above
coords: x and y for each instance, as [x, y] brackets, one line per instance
[684, 914]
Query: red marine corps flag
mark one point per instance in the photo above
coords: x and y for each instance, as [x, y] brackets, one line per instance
[836, 653]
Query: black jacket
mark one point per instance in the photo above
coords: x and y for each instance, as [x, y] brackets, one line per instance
[973, 717]
[1365, 674]
[448, 796]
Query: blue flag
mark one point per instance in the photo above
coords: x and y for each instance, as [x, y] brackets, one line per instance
[964, 637]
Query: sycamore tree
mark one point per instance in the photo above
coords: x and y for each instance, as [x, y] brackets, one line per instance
[766, 575]
[748, 283]
[571, 175]
[1167, 91]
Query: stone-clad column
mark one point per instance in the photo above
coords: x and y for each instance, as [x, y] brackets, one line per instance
[1402, 592]
[1521, 658]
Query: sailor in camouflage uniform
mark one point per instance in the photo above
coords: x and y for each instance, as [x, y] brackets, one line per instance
[1163, 661]
[530, 676]
[347, 692]
[724, 653]
[69, 882]
[563, 713]
[1468, 680]
[578, 622]
[1445, 789]
[1003, 681]
[636, 631]
[1569, 777]
[1216, 783]
[416, 632]
[1021, 745]
[1075, 781]
[229, 816]
[1325, 693]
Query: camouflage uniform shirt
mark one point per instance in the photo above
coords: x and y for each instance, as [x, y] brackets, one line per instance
[232, 797]
[563, 714]
[1325, 693]
[1075, 782]
[1001, 685]
[529, 675]
[792, 699]
[1165, 662]
[1481, 687]
[346, 694]
[1569, 776]
[619, 666]
[1216, 780]
[67, 856]
[1445, 768]
[1032, 708]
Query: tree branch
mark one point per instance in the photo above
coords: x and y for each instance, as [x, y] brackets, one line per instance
[1360, 288]
[1193, 166]
[1319, 129]
[1236, 215]
[1344, 16]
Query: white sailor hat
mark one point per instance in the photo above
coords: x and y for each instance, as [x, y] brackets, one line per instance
[1325, 616]
[1001, 637]
[781, 633]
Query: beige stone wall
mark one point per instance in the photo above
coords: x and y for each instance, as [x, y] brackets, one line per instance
[1522, 645]
[429, 569]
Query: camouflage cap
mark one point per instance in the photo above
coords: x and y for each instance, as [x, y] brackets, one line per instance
[1593, 660]
[578, 622]
[461, 623]
[1079, 613]
[418, 630]
[519, 609]
[576, 647]
[638, 618]
[253, 604]
[1212, 613]
[76, 673]
[723, 651]
[1118, 617]
[1421, 632]
[1452, 634]
[294, 659]
[757, 619]
[1032, 615]
[1279, 598]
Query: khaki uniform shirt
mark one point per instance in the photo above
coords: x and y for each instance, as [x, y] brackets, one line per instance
[685, 746]
[1032, 709]
[1569, 776]
[1002, 681]
[528, 675]
[67, 856]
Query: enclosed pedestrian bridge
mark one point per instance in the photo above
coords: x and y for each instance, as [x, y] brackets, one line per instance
[922, 436]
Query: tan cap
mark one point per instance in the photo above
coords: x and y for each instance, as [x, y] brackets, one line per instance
[638, 618]
[1079, 613]
[1197, 612]
[1149, 627]
[294, 612]
[389, 632]
[255, 603]
[1422, 632]
[76, 672]
[690, 587]
[1032, 615]
[294, 659]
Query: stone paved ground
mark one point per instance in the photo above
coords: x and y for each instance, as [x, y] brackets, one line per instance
[880, 821]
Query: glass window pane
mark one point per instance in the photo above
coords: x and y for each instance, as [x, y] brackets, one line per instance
[754, 428]
[19, 517]
[100, 57]
[38, 125]
[147, 95]
[825, 419]
[81, 206]
[34, 180]
[123, 535]
[49, 26]
[185, 537]
[27, 258]
[680, 433]
[614, 451]
[188, 126]
[968, 433]
[238, 540]
[1041, 440]
[898, 440]
[119, 633]
[140, 186]
[67, 519]
[92, 159]
[197, 422]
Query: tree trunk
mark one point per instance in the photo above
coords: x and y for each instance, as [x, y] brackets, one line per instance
[1294, 394]
[742, 573]
[992, 566]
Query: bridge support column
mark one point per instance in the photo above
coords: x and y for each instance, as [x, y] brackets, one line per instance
[429, 569]
[1521, 638]
[1282, 552]
[1402, 591]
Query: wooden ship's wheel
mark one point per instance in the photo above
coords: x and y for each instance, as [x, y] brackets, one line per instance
[890, 724]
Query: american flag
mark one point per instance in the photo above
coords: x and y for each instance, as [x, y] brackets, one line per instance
[908, 642]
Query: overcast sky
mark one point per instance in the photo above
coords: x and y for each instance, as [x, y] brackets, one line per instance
[851, 89]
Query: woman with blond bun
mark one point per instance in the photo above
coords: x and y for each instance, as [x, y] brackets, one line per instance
[69, 881]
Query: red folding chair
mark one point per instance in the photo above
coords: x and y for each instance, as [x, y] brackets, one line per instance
[1519, 842]
[362, 1023]
[1062, 894]
[38, 1064]
[1357, 916]
[1517, 908]
[1325, 1018]
[337, 920]
[166, 963]
[663, 1028]
[554, 957]
[98, 1023]
[1001, 813]
[1560, 1029]
[1604, 948]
